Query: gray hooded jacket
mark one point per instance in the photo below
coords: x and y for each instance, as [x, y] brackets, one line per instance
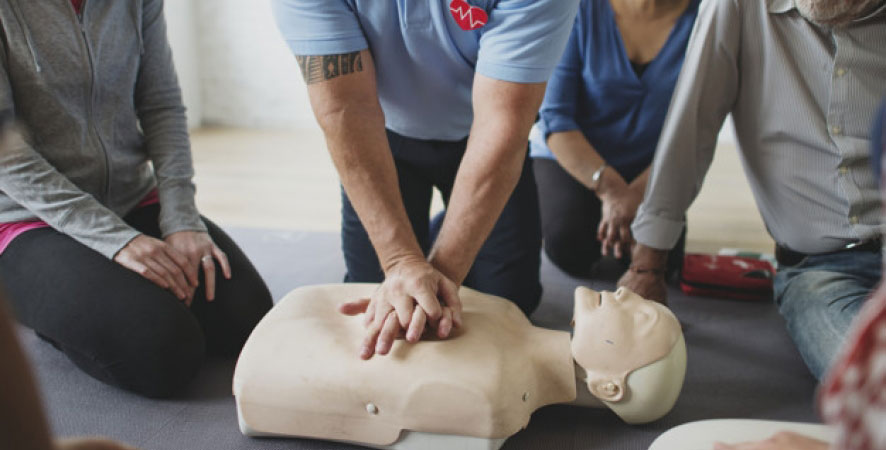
[99, 98]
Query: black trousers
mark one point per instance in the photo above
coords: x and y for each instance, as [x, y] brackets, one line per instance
[507, 264]
[116, 325]
[570, 216]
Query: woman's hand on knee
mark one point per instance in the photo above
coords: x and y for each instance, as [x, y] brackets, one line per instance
[201, 252]
[158, 262]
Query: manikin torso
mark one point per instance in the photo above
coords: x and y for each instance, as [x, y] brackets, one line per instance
[299, 373]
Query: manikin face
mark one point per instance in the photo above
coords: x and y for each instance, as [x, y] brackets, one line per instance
[617, 333]
[835, 12]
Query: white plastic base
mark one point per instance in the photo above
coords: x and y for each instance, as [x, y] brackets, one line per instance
[409, 440]
[703, 434]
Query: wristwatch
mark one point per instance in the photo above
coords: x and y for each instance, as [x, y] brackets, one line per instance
[597, 176]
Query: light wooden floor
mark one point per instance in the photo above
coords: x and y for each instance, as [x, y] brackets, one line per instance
[285, 180]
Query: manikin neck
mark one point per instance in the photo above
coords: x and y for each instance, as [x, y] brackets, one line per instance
[583, 395]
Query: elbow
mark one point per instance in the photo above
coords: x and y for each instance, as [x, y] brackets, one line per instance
[335, 115]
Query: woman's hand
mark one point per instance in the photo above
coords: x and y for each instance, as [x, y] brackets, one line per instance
[619, 206]
[199, 250]
[158, 262]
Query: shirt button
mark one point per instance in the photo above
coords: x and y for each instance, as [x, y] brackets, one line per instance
[836, 130]
[853, 220]
[841, 71]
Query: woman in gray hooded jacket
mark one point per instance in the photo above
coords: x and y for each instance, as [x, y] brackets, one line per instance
[103, 251]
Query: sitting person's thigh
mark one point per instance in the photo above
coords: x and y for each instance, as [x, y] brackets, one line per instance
[111, 322]
[820, 297]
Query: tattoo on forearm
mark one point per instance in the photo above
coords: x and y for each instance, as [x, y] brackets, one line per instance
[326, 67]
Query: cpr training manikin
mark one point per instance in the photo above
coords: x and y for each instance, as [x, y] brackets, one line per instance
[299, 374]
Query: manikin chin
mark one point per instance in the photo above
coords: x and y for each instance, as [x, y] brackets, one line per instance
[299, 374]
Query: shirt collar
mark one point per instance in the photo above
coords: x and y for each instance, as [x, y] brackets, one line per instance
[783, 6]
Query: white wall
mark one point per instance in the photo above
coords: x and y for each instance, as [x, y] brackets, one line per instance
[182, 37]
[246, 76]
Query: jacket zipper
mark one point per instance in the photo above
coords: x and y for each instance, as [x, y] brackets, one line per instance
[106, 184]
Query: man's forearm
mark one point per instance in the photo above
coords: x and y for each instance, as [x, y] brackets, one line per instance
[489, 171]
[481, 189]
[352, 120]
[359, 149]
[649, 259]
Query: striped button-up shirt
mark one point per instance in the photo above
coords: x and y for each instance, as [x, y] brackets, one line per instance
[803, 99]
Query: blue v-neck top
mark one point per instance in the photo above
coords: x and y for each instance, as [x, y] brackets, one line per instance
[594, 89]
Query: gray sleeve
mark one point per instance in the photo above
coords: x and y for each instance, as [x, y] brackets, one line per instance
[703, 97]
[31, 181]
[161, 113]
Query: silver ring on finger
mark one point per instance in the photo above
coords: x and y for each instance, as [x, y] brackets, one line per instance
[206, 258]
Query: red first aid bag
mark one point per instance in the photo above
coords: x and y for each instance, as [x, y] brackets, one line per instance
[723, 276]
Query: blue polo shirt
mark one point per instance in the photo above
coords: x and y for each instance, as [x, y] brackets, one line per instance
[425, 63]
[594, 89]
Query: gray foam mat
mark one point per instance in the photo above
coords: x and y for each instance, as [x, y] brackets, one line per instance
[741, 364]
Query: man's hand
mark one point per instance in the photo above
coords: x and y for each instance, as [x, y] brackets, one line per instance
[392, 307]
[158, 262]
[620, 202]
[784, 440]
[646, 276]
[200, 251]
[90, 444]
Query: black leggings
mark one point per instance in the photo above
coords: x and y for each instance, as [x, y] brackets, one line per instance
[570, 216]
[116, 325]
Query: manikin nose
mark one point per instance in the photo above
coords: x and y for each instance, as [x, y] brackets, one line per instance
[619, 293]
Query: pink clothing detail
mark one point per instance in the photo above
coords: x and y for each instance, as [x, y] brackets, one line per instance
[12, 230]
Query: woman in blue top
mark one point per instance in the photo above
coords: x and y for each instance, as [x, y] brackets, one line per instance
[600, 122]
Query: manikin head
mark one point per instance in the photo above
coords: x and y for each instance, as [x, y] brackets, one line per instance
[836, 12]
[632, 352]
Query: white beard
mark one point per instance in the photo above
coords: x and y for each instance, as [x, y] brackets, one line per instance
[835, 12]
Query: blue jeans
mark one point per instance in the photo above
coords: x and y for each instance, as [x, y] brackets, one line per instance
[820, 296]
[509, 260]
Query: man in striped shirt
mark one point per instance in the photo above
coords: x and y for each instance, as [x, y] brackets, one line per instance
[802, 80]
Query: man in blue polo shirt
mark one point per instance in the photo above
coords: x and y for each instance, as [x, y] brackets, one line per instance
[413, 95]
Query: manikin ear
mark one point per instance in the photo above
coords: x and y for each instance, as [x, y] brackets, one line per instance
[610, 389]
